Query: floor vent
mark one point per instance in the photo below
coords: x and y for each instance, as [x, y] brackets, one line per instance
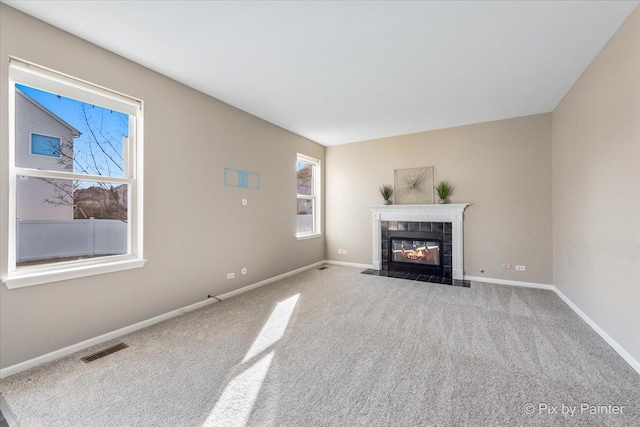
[105, 352]
[323, 268]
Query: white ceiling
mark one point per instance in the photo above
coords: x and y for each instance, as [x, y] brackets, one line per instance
[339, 72]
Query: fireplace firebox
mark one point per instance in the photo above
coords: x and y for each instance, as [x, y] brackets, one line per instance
[416, 251]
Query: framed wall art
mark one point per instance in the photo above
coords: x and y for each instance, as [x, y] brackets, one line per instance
[414, 186]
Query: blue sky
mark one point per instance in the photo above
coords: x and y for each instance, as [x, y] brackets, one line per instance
[106, 125]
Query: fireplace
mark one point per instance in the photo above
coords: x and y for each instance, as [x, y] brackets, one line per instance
[416, 251]
[444, 219]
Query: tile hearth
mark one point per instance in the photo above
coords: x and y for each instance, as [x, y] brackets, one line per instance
[417, 277]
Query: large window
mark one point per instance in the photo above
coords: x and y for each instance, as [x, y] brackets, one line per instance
[75, 178]
[308, 198]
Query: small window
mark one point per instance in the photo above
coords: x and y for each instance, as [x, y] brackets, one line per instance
[308, 197]
[75, 188]
[42, 145]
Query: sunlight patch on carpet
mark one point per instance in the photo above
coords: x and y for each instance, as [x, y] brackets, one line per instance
[236, 402]
[274, 329]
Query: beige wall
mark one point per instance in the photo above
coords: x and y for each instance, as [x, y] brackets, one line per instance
[196, 229]
[502, 168]
[596, 189]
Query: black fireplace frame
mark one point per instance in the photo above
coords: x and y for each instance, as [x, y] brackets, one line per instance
[434, 270]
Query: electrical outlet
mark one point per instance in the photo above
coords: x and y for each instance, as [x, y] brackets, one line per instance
[231, 275]
[521, 267]
[344, 252]
[339, 251]
[505, 266]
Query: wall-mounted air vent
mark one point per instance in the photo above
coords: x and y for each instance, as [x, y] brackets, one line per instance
[105, 352]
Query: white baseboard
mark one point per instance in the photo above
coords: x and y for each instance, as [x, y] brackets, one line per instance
[267, 281]
[348, 264]
[605, 336]
[509, 282]
[57, 354]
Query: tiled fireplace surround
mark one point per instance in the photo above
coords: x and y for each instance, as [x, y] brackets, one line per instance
[440, 227]
[446, 219]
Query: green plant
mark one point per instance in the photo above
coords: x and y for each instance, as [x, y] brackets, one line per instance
[444, 190]
[386, 191]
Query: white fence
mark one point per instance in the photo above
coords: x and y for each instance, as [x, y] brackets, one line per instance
[305, 223]
[47, 239]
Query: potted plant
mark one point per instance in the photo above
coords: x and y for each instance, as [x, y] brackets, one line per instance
[444, 190]
[386, 191]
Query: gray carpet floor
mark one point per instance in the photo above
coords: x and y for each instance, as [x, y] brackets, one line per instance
[339, 348]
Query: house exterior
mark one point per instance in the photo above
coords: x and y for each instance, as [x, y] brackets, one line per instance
[43, 141]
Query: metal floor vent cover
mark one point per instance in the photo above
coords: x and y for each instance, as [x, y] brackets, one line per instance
[323, 268]
[102, 353]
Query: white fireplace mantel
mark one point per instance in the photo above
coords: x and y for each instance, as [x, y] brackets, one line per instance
[453, 213]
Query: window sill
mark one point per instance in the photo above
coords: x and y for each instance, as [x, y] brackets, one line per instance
[55, 274]
[308, 236]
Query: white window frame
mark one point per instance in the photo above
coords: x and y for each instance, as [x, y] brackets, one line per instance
[316, 196]
[32, 75]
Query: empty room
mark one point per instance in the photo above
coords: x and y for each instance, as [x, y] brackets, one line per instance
[319, 213]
